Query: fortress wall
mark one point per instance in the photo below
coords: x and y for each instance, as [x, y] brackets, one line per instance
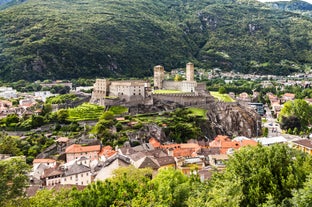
[201, 87]
[184, 99]
[172, 85]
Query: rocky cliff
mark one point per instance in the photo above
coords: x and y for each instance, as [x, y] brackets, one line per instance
[231, 119]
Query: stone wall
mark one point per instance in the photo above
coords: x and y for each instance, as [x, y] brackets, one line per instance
[171, 85]
[186, 99]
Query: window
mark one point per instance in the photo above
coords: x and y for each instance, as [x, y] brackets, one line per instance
[71, 177]
[81, 174]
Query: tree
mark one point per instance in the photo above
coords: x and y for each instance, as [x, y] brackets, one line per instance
[222, 90]
[290, 122]
[62, 116]
[171, 188]
[298, 108]
[52, 198]
[13, 178]
[11, 119]
[107, 115]
[178, 77]
[263, 172]
[303, 196]
[8, 145]
[127, 184]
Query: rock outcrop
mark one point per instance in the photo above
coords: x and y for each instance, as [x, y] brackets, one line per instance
[232, 119]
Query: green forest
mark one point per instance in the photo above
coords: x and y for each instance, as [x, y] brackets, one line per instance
[67, 39]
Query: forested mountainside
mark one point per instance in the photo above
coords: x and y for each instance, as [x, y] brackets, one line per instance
[8, 3]
[59, 39]
[298, 6]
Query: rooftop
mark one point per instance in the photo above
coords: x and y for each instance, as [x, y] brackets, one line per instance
[304, 142]
[77, 148]
[43, 161]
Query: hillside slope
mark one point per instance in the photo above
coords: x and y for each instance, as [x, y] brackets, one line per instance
[57, 39]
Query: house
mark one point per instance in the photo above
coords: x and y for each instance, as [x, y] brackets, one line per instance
[218, 161]
[107, 168]
[288, 97]
[166, 162]
[106, 152]
[39, 165]
[304, 145]
[205, 174]
[76, 150]
[271, 140]
[8, 92]
[147, 162]
[27, 102]
[182, 150]
[76, 174]
[43, 95]
[226, 145]
[48, 162]
[190, 165]
[276, 107]
[244, 97]
[62, 143]
[52, 176]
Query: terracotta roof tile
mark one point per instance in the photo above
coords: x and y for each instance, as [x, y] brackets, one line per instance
[154, 142]
[183, 152]
[107, 151]
[43, 160]
[77, 148]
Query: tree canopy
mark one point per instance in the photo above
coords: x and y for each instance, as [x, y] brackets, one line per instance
[13, 178]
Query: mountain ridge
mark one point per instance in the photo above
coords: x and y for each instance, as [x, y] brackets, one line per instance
[70, 39]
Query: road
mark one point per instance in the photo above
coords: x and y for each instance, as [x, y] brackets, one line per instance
[274, 127]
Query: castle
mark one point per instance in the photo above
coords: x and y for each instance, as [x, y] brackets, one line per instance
[134, 92]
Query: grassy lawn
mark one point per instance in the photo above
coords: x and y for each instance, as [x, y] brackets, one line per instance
[167, 91]
[117, 110]
[198, 111]
[85, 112]
[221, 97]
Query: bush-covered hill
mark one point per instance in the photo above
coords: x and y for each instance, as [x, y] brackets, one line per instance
[57, 39]
[298, 6]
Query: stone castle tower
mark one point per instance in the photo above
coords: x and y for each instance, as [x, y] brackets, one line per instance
[190, 72]
[159, 76]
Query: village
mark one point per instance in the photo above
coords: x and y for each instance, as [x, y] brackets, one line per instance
[81, 160]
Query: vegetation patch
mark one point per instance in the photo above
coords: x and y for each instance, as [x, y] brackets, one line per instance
[117, 110]
[222, 97]
[85, 112]
[66, 98]
[198, 112]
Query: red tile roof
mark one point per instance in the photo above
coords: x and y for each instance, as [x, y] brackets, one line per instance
[43, 161]
[225, 143]
[154, 142]
[77, 148]
[107, 151]
[186, 152]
